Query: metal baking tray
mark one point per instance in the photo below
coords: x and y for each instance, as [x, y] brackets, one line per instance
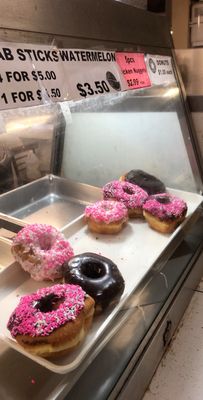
[51, 199]
[135, 250]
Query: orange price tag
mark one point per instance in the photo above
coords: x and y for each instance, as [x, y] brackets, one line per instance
[134, 70]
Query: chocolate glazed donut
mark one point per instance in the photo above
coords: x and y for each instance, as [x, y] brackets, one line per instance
[149, 183]
[97, 275]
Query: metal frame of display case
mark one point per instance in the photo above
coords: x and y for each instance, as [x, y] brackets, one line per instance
[106, 24]
[190, 123]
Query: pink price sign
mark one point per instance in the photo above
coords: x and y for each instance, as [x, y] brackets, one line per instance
[134, 70]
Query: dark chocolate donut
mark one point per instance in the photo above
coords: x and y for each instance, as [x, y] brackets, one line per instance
[97, 275]
[149, 183]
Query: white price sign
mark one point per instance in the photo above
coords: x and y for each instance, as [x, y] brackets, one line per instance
[92, 73]
[37, 74]
[30, 75]
[160, 69]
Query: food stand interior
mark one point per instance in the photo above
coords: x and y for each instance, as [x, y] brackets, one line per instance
[76, 152]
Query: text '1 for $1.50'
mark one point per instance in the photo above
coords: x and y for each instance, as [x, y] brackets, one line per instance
[29, 95]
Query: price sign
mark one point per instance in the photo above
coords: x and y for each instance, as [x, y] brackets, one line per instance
[134, 69]
[160, 69]
[35, 74]
[30, 75]
[92, 73]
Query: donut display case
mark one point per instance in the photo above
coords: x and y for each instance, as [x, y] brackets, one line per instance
[66, 157]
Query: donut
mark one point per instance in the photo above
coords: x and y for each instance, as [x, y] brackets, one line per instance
[97, 275]
[41, 250]
[52, 320]
[149, 183]
[164, 212]
[106, 216]
[131, 195]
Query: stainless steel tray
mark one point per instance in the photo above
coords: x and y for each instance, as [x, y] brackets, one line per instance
[51, 199]
[135, 250]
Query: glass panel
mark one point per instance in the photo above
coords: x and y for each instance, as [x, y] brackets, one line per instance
[110, 135]
[27, 144]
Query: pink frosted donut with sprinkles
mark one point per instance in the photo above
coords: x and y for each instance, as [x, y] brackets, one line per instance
[41, 250]
[52, 320]
[106, 216]
[164, 212]
[132, 196]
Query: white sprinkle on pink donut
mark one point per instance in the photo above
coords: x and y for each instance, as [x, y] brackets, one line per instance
[106, 211]
[129, 194]
[41, 250]
[40, 313]
[165, 206]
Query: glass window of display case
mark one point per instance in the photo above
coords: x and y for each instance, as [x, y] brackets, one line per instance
[28, 141]
[141, 129]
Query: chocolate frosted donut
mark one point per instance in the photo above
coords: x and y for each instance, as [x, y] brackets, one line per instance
[97, 275]
[164, 212]
[149, 183]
